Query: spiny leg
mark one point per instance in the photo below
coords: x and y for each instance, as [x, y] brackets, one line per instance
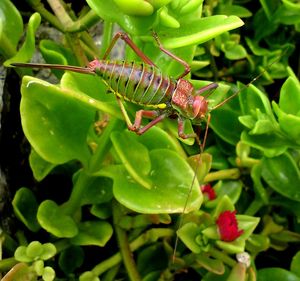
[181, 132]
[136, 127]
[181, 61]
[132, 45]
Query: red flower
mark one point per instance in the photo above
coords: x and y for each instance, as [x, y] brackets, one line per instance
[228, 227]
[209, 191]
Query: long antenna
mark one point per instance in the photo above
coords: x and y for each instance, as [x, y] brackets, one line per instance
[201, 147]
[204, 142]
[251, 82]
[78, 69]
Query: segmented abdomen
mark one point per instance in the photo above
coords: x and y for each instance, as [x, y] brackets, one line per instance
[139, 83]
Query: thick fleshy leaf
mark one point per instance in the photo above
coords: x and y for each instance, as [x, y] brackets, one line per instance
[188, 234]
[289, 100]
[131, 152]
[40, 167]
[93, 233]
[198, 31]
[55, 53]
[171, 179]
[11, 27]
[99, 191]
[55, 120]
[52, 219]
[278, 274]
[289, 123]
[295, 264]
[283, 175]
[270, 144]
[26, 51]
[70, 259]
[25, 207]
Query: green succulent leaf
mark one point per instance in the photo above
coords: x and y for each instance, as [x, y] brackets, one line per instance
[11, 28]
[51, 218]
[25, 207]
[93, 233]
[282, 175]
[26, 51]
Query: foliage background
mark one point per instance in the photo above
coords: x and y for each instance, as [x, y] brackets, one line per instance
[68, 216]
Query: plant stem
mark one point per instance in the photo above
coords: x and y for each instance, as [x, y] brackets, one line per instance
[7, 264]
[39, 7]
[106, 37]
[233, 173]
[124, 245]
[255, 205]
[222, 256]
[151, 235]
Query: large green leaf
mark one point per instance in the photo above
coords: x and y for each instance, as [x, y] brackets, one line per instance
[171, 179]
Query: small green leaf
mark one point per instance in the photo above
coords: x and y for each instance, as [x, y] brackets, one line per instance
[26, 51]
[34, 250]
[199, 31]
[93, 233]
[11, 27]
[25, 207]
[282, 175]
[289, 100]
[52, 219]
[40, 167]
[135, 7]
[48, 274]
[278, 274]
[49, 250]
[295, 264]
[188, 234]
[20, 254]
[70, 259]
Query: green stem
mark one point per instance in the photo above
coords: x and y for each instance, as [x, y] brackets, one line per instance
[223, 257]
[85, 22]
[124, 245]
[151, 235]
[254, 207]
[106, 37]
[78, 191]
[7, 264]
[222, 175]
[39, 7]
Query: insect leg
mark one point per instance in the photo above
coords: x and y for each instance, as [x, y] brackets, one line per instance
[181, 132]
[149, 114]
[136, 127]
[181, 61]
[132, 45]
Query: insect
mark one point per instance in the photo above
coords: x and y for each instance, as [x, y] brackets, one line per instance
[146, 85]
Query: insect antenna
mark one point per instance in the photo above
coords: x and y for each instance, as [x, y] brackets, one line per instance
[78, 69]
[211, 87]
[201, 148]
[252, 81]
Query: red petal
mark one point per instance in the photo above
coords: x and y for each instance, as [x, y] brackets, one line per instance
[209, 191]
[228, 226]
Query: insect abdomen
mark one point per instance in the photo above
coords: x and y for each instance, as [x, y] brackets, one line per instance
[139, 83]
